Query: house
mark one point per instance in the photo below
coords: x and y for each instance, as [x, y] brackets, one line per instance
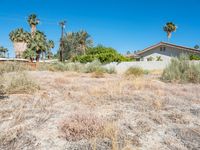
[163, 51]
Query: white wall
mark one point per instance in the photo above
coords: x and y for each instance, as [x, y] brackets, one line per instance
[147, 65]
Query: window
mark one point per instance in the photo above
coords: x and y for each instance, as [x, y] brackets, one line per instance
[162, 49]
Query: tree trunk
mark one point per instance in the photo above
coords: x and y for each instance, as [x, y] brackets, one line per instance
[33, 30]
[169, 34]
[38, 56]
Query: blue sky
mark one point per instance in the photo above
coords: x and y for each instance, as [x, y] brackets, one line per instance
[122, 24]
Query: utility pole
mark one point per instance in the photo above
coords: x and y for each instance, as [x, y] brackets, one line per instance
[62, 24]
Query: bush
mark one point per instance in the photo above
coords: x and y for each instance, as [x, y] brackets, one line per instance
[103, 54]
[182, 71]
[135, 71]
[93, 67]
[20, 83]
[78, 67]
[81, 126]
[13, 67]
[194, 57]
[2, 87]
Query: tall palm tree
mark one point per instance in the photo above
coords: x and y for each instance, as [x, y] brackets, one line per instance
[169, 28]
[33, 22]
[3, 51]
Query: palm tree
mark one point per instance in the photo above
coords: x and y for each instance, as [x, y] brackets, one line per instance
[50, 45]
[29, 54]
[3, 51]
[84, 40]
[169, 28]
[76, 43]
[20, 38]
[33, 22]
[39, 45]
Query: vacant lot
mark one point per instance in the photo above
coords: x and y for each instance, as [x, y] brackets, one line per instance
[69, 110]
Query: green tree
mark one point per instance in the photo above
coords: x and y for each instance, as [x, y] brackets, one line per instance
[38, 44]
[29, 54]
[169, 28]
[19, 35]
[76, 43]
[102, 53]
[196, 46]
[50, 45]
[3, 51]
[128, 52]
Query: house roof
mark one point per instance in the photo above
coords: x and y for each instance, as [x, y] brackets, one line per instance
[192, 50]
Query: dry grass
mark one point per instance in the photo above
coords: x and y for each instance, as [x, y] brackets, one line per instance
[80, 126]
[21, 83]
[78, 111]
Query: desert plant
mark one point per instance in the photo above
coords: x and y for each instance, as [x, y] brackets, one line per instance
[158, 58]
[134, 71]
[182, 71]
[80, 126]
[21, 83]
[13, 67]
[2, 87]
[150, 58]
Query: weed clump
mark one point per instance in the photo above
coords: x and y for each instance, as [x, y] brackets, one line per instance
[20, 84]
[135, 71]
[81, 126]
[182, 71]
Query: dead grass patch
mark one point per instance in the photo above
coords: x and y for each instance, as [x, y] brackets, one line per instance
[20, 83]
[98, 74]
[80, 126]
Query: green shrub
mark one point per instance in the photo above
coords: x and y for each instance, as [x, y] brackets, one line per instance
[93, 67]
[135, 71]
[194, 57]
[77, 67]
[182, 71]
[20, 83]
[103, 54]
[150, 58]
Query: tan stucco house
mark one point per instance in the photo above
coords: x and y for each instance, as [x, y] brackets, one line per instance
[162, 51]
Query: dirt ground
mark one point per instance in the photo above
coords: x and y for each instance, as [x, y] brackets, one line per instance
[145, 113]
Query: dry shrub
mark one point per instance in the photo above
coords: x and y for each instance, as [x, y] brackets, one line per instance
[61, 81]
[98, 74]
[20, 84]
[134, 71]
[182, 71]
[81, 126]
[178, 118]
[17, 138]
[13, 67]
[157, 104]
[111, 131]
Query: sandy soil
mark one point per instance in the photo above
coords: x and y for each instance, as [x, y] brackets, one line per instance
[146, 113]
